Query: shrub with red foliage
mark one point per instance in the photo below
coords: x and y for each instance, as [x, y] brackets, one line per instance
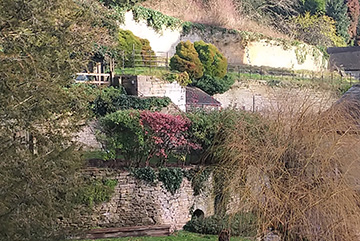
[166, 134]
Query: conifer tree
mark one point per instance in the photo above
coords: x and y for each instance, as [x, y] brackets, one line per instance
[337, 10]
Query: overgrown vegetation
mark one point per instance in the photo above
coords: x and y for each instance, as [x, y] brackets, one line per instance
[214, 85]
[96, 191]
[42, 44]
[156, 19]
[271, 18]
[132, 50]
[296, 170]
[198, 178]
[141, 136]
[186, 59]
[172, 177]
[214, 62]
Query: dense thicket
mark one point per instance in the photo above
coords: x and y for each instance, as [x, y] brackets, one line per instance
[42, 43]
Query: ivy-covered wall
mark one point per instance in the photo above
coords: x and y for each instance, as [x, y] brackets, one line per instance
[136, 202]
[239, 47]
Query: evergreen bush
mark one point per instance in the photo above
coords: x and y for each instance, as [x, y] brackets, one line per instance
[214, 85]
[214, 62]
[240, 224]
[186, 59]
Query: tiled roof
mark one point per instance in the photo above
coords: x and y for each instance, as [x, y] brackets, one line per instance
[195, 96]
[347, 58]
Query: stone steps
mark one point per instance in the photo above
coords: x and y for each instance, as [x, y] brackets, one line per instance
[134, 231]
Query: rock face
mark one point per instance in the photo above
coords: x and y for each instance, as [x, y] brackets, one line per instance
[137, 203]
[238, 49]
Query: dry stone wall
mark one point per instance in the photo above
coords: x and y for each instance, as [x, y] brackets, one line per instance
[137, 203]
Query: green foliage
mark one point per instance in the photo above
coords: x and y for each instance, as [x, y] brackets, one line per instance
[240, 224]
[148, 55]
[207, 129]
[337, 10]
[43, 43]
[128, 43]
[214, 62]
[132, 50]
[171, 178]
[313, 6]
[186, 59]
[146, 174]
[317, 30]
[198, 177]
[144, 136]
[125, 4]
[96, 191]
[156, 19]
[123, 136]
[182, 78]
[214, 85]
[112, 99]
[177, 236]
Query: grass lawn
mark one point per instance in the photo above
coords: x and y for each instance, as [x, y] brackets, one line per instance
[178, 236]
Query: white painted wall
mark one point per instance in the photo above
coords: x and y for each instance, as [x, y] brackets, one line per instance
[162, 41]
[148, 86]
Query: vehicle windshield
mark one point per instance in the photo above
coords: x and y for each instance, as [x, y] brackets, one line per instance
[82, 78]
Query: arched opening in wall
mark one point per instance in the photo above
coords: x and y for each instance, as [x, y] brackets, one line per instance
[198, 214]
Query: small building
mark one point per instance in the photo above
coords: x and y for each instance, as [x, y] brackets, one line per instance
[150, 86]
[345, 59]
[198, 99]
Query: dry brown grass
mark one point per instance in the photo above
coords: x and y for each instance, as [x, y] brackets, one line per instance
[222, 13]
[298, 170]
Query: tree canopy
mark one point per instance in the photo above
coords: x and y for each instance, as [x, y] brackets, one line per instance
[42, 44]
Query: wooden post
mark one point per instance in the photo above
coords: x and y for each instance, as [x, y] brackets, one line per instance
[133, 56]
[123, 61]
[167, 60]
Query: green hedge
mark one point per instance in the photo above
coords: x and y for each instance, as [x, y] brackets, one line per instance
[111, 100]
[214, 85]
[241, 224]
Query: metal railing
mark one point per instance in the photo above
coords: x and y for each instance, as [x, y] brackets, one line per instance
[139, 60]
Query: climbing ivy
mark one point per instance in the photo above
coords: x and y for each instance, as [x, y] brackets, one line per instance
[301, 53]
[156, 19]
[171, 178]
[146, 174]
[198, 177]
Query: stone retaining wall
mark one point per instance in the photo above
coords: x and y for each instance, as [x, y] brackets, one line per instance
[137, 203]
